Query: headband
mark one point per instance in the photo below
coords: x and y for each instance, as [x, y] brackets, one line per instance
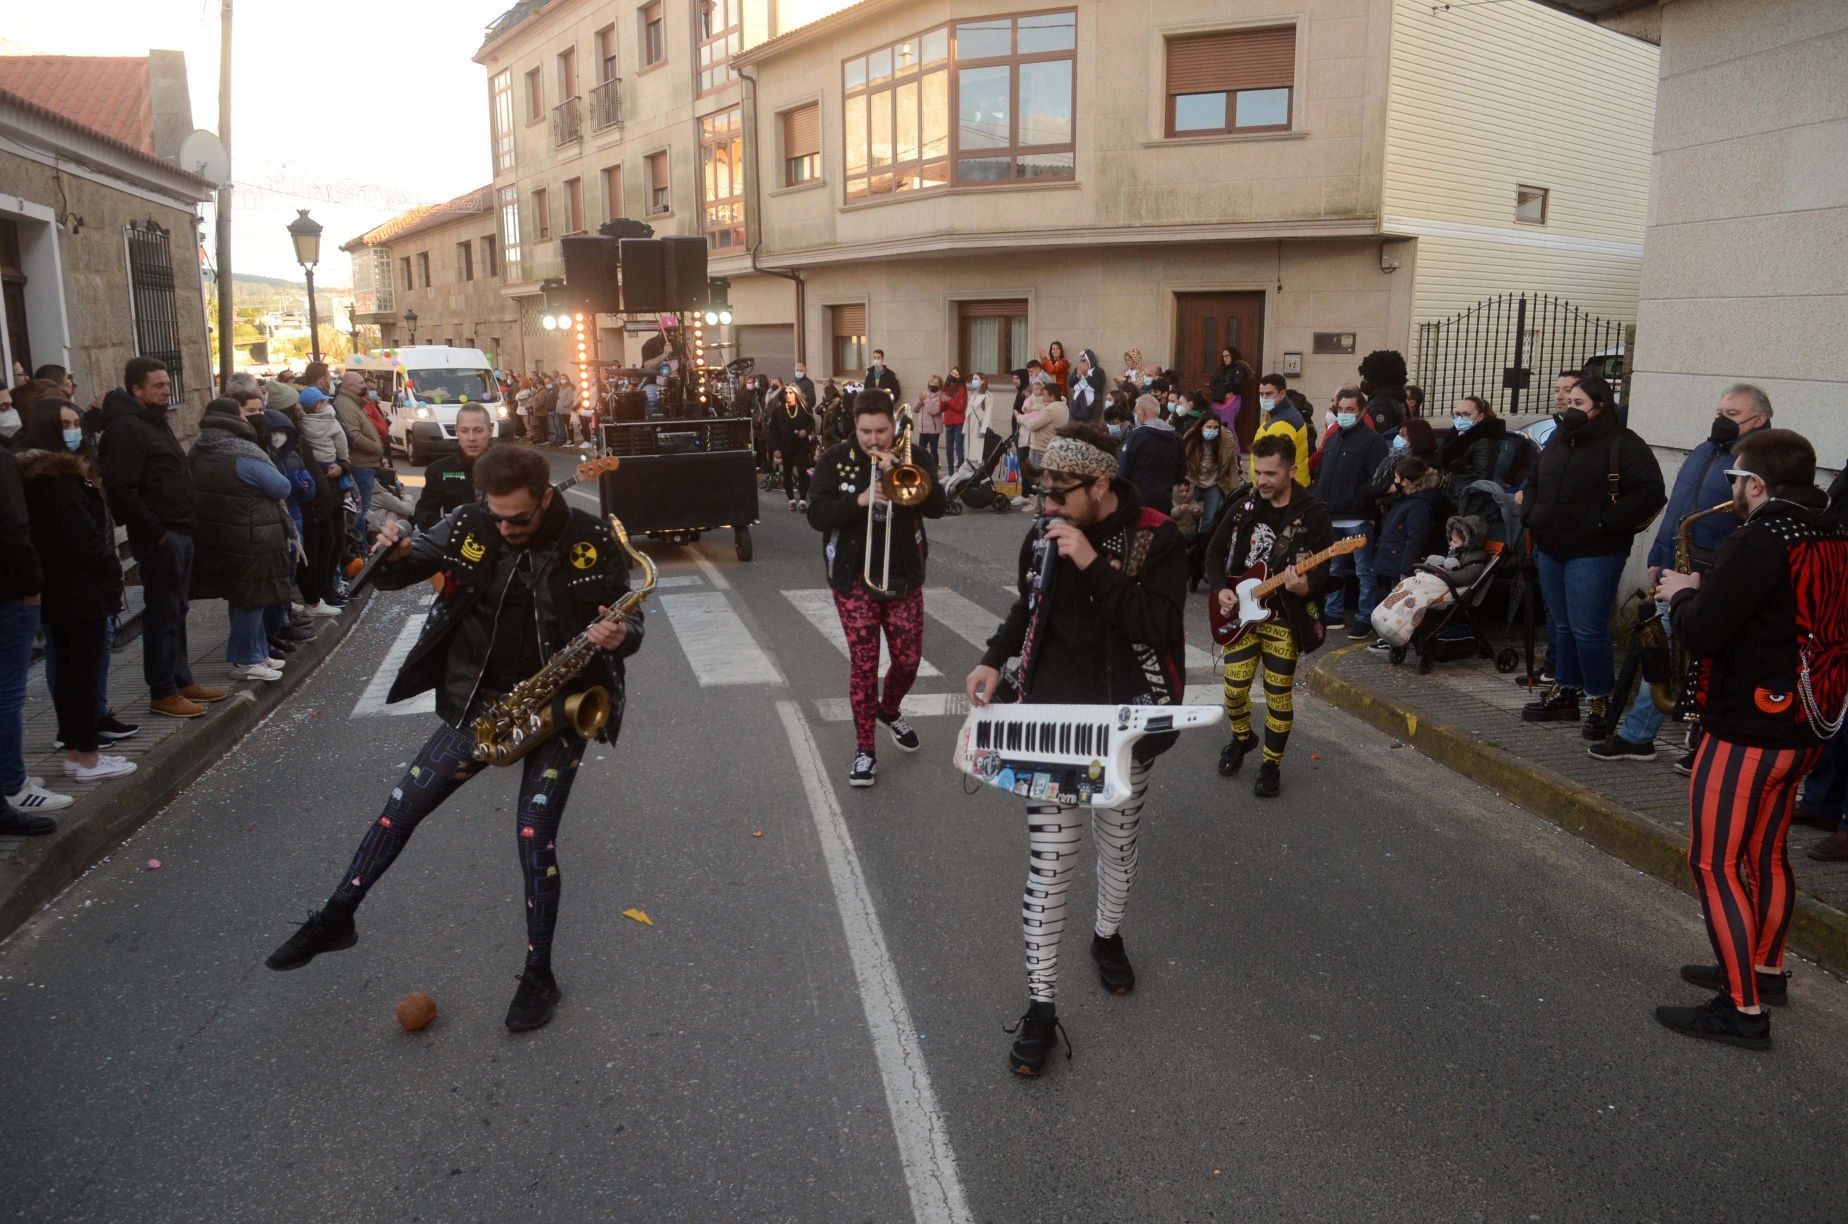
[1076, 457]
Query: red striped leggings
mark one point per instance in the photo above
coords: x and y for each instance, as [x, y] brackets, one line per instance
[1739, 805]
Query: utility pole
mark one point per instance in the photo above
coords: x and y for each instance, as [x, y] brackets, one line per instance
[226, 356]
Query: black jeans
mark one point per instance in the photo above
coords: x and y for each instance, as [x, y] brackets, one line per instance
[796, 466]
[322, 534]
[166, 573]
[82, 647]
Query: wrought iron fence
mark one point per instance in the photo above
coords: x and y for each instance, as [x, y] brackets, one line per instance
[151, 287]
[1508, 348]
[606, 105]
[567, 121]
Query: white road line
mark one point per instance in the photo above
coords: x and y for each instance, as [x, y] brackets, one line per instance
[967, 619]
[372, 701]
[667, 581]
[1200, 659]
[817, 607]
[717, 579]
[717, 645]
[917, 1123]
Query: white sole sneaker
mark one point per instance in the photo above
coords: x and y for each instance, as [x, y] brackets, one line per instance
[106, 767]
[255, 671]
[321, 609]
[37, 799]
[273, 664]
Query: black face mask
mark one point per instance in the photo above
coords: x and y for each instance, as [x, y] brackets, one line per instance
[1574, 418]
[1725, 430]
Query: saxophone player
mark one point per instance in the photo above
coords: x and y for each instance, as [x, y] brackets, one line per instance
[523, 574]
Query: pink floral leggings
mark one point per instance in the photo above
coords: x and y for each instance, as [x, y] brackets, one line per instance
[862, 617]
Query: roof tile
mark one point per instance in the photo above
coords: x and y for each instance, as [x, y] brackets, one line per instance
[107, 93]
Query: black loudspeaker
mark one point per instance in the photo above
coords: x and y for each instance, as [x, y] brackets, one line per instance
[686, 272]
[590, 273]
[631, 406]
[644, 274]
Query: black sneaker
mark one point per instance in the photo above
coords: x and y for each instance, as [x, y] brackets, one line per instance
[864, 767]
[1545, 679]
[1597, 725]
[277, 646]
[1039, 1029]
[1617, 748]
[1232, 756]
[111, 728]
[1113, 968]
[1381, 645]
[1269, 782]
[1719, 1020]
[15, 823]
[297, 633]
[1558, 705]
[902, 733]
[534, 1002]
[1684, 764]
[1773, 988]
[321, 933]
[1359, 631]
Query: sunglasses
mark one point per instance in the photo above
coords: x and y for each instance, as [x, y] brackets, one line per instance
[1057, 496]
[515, 520]
[1736, 473]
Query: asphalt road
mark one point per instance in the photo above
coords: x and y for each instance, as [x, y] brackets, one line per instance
[1386, 995]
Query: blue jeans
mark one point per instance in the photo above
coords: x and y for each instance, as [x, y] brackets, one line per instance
[558, 428]
[1826, 788]
[1212, 499]
[102, 679]
[18, 626]
[248, 642]
[1358, 564]
[953, 445]
[166, 575]
[1579, 593]
[1644, 721]
[363, 479]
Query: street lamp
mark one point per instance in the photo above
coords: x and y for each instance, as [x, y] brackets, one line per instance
[305, 233]
[410, 323]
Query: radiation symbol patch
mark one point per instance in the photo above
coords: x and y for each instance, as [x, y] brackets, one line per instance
[473, 549]
[583, 554]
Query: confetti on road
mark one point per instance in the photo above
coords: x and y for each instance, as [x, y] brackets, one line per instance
[153, 864]
[639, 915]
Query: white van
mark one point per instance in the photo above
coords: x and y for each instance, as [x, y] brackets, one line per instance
[420, 388]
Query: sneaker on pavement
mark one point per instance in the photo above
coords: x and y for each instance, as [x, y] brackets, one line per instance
[322, 608]
[1359, 631]
[1719, 1020]
[1617, 748]
[1269, 782]
[1113, 967]
[1232, 756]
[1773, 988]
[802, 503]
[291, 633]
[792, 503]
[111, 728]
[1381, 645]
[35, 798]
[864, 767]
[274, 662]
[176, 706]
[279, 649]
[902, 732]
[1036, 1032]
[1684, 764]
[254, 671]
[106, 767]
[534, 1001]
[202, 692]
[1831, 849]
[25, 824]
[322, 932]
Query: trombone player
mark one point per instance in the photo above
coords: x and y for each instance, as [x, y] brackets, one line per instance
[869, 500]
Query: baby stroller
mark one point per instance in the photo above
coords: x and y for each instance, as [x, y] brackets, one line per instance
[973, 484]
[1440, 638]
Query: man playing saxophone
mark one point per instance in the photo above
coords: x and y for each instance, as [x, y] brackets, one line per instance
[523, 574]
[1700, 485]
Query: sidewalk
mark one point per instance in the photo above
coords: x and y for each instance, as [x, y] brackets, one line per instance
[169, 752]
[1467, 716]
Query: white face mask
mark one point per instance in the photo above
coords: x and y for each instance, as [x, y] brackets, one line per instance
[1267, 404]
[279, 440]
[1347, 420]
[1209, 434]
[801, 373]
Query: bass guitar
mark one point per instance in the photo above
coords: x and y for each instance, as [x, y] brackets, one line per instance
[1257, 585]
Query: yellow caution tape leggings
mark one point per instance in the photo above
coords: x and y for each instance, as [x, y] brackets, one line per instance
[1272, 644]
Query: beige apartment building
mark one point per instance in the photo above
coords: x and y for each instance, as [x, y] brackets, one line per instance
[435, 275]
[1305, 182]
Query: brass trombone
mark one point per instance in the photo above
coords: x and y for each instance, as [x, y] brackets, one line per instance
[905, 484]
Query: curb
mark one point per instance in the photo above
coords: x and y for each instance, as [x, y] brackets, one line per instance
[50, 864]
[1817, 930]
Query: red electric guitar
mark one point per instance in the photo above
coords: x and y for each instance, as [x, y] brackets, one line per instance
[1257, 585]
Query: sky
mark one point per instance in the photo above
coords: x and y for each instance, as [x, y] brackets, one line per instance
[353, 109]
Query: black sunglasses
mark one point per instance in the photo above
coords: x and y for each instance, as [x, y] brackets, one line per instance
[1057, 496]
[514, 520]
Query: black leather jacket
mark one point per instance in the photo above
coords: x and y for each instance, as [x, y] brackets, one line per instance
[582, 568]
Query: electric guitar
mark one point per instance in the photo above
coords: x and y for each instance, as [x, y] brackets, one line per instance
[1258, 584]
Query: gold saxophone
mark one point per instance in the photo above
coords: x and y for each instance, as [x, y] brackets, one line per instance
[536, 709]
[1665, 692]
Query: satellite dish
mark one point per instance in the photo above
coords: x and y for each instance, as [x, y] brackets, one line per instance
[203, 154]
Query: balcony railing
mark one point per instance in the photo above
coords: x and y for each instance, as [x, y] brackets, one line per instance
[568, 121]
[606, 105]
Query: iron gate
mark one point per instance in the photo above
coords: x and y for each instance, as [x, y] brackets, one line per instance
[150, 278]
[1499, 347]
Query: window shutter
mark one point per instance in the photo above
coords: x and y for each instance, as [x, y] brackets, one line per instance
[1232, 60]
[849, 320]
[1006, 308]
[802, 131]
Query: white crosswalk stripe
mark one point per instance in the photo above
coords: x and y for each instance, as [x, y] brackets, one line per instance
[372, 701]
[817, 607]
[718, 646]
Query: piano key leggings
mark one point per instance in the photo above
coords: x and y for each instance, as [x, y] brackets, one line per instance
[1271, 644]
[863, 618]
[1053, 835]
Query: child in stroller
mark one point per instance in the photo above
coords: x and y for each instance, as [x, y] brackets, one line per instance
[1453, 585]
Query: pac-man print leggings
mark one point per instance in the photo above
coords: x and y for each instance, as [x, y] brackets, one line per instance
[863, 619]
[1053, 837]
[444, 764]
[1271, 642]
[1740, 801]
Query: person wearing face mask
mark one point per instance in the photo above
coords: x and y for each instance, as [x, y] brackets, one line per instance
[930, 419]
[1278, 414]
[9, 415]
[1351, 453]
[955, 415]
[1087, 387]
[806, 385]
[1213, 467]
[150, 492]
[1596, 486]
[1472, 447]
[880, 375]
[243, 534]
[978, 420]
[1702, 482]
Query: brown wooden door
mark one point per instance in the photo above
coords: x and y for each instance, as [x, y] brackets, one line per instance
[1209, 322]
